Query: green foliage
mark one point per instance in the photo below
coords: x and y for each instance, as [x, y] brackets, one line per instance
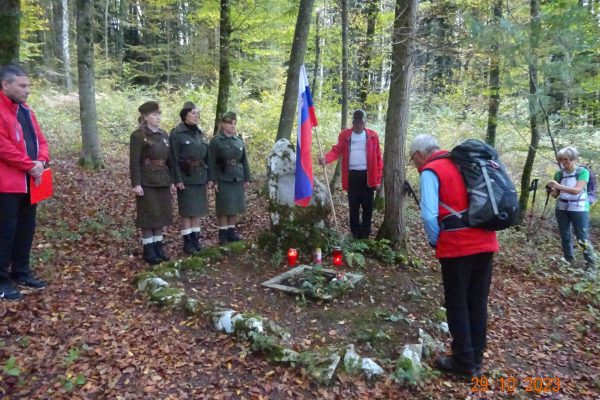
[70, 382]
[406, 372]
[210, 253]
[24, 342]
[72, 356]
[315, 283]
[11, 368]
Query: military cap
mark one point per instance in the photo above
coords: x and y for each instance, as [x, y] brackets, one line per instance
[149, 107]
[228, 116]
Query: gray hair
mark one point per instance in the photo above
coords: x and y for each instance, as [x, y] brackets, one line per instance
[9, 71]
[570, 152]
[424, 143]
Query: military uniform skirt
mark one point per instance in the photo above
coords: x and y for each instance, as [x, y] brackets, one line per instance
[231, 198]
[154, 209]
[192, 201]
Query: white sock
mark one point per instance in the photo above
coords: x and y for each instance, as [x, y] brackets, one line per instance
[196, 229]
[158, 238]
[185, 232]
[148, 240]
[230, 226]
[224, 228]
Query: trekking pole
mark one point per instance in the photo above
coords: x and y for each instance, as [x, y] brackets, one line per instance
[533, 187]
[546, 202]
[409, 190]
[337, 228]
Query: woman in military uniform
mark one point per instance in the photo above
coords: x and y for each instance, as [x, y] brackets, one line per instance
[230, 171]
[151, 180]
[189, 151]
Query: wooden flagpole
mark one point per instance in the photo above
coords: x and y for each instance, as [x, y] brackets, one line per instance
[337, 228]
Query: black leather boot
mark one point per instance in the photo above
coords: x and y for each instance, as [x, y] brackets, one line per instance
[232, 235]
[196, 240]
[188, 244]
[223, 237]
[150, 254]
[160, 251]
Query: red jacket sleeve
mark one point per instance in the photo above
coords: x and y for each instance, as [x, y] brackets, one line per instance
[10, 154]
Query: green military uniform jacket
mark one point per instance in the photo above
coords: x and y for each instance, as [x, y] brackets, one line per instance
[190, 155]
[228, 158]
[150, 158]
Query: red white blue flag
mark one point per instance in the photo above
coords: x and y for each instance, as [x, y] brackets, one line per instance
[306, 121]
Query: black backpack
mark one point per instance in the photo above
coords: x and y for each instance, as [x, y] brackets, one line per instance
[493, 201]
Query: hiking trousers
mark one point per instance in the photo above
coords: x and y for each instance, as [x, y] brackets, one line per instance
[17, 227]
[467, 282]
[580, 222]
[360, 195]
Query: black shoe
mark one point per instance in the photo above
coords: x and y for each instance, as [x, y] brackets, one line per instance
[30, 281]
[8, 291]
[232, 235]
[196, 240]
[160, 251]
[150, 255]
[188, 244]
[447, 364]
[223, 239]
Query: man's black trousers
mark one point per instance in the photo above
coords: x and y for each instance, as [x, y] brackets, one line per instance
[466, 288]
[360, 195]
[17, 227]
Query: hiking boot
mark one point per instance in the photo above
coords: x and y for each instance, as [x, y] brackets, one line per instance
[188, 245]
[196, 240]
[150, 255]
[447, 364]
[30, 281]
[8, 291]
[160, 251]
[223, 239]
[232, 235]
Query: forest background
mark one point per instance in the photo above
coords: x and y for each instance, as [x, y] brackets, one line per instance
[514, 73]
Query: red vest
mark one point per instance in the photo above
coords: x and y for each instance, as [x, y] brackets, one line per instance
[453, 192]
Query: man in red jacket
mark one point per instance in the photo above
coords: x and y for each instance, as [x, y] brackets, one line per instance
[465, 255]
[23, 154]
[362, 169]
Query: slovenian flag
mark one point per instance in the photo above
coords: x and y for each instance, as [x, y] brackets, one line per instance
[306, 121]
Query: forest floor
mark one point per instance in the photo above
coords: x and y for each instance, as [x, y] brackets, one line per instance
[91, 335]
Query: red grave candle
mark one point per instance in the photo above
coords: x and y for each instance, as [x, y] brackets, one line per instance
[292, 256]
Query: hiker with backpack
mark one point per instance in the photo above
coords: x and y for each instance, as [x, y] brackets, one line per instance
[570, 188]
[465, 252]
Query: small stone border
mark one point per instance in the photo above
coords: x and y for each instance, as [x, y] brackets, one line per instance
[268, 338]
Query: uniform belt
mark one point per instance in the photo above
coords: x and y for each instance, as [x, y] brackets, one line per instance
[156, 163]
[231, 162]
[572, 201]
[197, 163]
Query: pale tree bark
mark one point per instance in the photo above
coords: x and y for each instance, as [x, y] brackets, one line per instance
[403, 37]
[344, 118]
[290, 96]
[107, 2]
[10, 11]
[494, 83]
[224, 69]
[65, 52]
[534, 37]
[317, 52]
[372, 7]
[90, 143]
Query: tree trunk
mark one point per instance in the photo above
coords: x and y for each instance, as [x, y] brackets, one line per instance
[120, 40]
[393, 227]
[65, 52]
[224, 70]
[317, 52]
[533, 108]
[290, 97]
[107, 2]
[90, 144]
[494, 83]
[10, 12]
[344, 118]
[364, 87]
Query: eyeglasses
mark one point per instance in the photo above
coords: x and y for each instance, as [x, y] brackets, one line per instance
[563, 159]
[412, 156]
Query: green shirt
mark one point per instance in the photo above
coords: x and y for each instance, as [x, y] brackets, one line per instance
[228, 159]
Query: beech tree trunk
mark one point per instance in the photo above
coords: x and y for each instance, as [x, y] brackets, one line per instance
[494, 83]
[533, 108]
[65, 52]
[290, 97]
[403, 37]
[90, 143]
[224, 70]
[10, 12]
